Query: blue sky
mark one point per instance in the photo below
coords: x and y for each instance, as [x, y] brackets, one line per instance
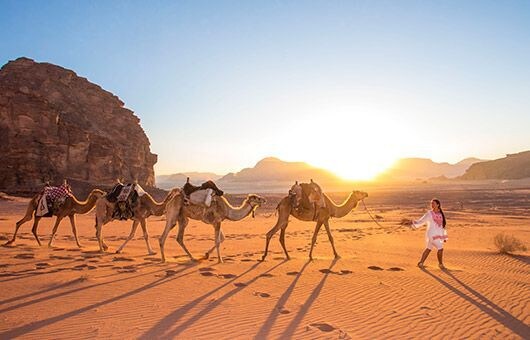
[346, 85]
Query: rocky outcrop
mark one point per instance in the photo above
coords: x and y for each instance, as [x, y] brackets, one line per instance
[56, 125]
[513, 166]
[412, 169]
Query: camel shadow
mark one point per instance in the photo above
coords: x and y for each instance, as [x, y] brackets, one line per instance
[523, 258]
[27, 328]
[71, 291]
[485, 305]
[267, 325]
[289, 331]
[160, 329]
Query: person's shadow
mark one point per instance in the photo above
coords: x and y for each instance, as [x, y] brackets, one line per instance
[484, 304]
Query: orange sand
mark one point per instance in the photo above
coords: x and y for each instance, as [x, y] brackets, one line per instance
[69, 293]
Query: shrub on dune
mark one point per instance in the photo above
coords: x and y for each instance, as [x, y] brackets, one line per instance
[507, 244]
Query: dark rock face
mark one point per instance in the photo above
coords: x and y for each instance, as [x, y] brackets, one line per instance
[513, 166]
[56, 125]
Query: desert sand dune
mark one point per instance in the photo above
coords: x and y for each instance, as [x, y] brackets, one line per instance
[374, 291]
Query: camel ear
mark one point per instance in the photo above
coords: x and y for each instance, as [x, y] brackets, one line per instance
[187, 179]
[311, 180]
[296, 183]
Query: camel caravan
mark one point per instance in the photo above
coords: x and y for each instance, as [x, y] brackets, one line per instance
[206, 203]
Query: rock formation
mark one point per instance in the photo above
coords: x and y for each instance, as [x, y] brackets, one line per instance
[55, 125]
[513, 166]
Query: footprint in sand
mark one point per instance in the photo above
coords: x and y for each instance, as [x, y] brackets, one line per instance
[227, 276]
[122, 259]
[24, 256]
[240, 284]
[261, 294]
[42, 265]
[266, 275]
[345, 272]
[57, 249]
[80, 267]
[293, 273]
[171, 272]
[206, 269]
[247, 260]
[285, 311]
[91, 267]
[324, 327]
[207, 274]
[152, 259]
[58, 257]
[395, 269]
[326, 271]
[375, 268]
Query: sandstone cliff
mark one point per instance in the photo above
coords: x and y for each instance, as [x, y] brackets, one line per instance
[55, 125]
[513, 166]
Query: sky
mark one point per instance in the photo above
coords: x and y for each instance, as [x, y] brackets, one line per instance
[350, 86]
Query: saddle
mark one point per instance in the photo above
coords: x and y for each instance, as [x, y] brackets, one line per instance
[194, 194]
[126, 198]
[52, 198]
[307, 196]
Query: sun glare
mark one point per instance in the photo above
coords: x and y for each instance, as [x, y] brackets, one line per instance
[358, 148]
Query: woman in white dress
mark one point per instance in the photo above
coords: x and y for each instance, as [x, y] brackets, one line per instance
[435, 235]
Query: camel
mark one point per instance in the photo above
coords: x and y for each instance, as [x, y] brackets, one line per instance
[219, 210]
[145, 207]
[322, 216]
[70, 207]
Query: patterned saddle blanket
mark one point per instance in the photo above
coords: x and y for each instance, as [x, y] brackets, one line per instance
[126, 198]
[52, 198]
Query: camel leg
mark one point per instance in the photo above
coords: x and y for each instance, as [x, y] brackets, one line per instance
[27, 217]
[218, 241]
[74, 230]
[99, 235]
[131, 235]
[54, 230]
[221, 240]
[146, 237]
[328, 230]
[283, 220]
[183, 222]
[314, 239]
[34, 229]
[162, 240]
[282, 242]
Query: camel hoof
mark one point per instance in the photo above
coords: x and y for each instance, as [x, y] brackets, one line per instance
[8, 243]
[220, 261]
[337, 257]
[206, 256]
[152, 253]
[262, 258]
[118, 251]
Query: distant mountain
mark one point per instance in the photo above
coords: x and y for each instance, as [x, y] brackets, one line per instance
[410, 169]
[178, 180]
[513, 166]
[272, 174]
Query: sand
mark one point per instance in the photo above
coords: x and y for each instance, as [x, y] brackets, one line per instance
[374, 291]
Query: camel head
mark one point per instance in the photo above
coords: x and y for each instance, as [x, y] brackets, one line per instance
[255, 200]
[359, 195]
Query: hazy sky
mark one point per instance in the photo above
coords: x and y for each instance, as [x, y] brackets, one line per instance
[346, 85]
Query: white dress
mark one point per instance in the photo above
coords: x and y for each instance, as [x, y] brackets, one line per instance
[435, 235]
